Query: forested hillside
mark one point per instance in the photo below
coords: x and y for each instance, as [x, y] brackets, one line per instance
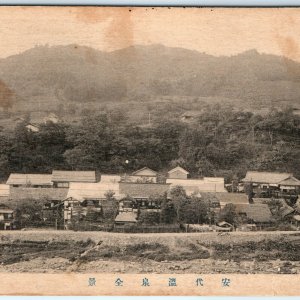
[128, 105]
[220, 142]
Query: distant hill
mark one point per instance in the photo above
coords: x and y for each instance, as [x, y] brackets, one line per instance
[46, 77]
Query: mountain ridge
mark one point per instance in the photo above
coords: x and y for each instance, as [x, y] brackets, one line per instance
[51, 76]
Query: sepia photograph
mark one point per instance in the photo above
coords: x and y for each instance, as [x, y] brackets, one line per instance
[140, 140]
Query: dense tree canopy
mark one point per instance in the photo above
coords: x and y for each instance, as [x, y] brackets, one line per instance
[220, 142]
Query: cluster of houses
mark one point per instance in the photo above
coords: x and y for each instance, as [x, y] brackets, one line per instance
[70, 193]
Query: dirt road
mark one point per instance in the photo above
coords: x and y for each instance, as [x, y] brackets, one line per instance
[69, 251]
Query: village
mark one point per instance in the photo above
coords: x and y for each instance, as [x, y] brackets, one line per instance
[146, 201]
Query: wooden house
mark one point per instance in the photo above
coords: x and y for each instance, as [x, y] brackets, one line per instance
[178, 173]
[143, 193]
[284, 182]
[62, 179]
[255, 213]
[273, 185]
[233, 198]
[126, 217]
[30, 180]
[6, 217]
[142, 176]
[85, 196]
[4, 192]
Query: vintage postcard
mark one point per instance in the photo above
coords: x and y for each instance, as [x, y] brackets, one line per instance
[149, 151]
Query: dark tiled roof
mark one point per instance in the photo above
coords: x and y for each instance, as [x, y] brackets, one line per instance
[234, 198]
[73, 176]
[143, 190]
[19, 194]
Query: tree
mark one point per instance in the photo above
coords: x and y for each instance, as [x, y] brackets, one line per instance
[228, 214]
[195, 211]
[29, 213]
[168, 212]
[179, 199]
[248, 188]
[149, 217]
[111, 210]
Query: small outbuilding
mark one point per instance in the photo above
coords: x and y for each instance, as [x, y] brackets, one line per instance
[178, 173]
[126, 217]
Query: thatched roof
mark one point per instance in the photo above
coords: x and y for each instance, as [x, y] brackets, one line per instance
[259, 213]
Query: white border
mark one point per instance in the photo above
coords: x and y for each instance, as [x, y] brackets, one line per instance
[240, 3]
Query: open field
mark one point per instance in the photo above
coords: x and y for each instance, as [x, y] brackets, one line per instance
[68, 251]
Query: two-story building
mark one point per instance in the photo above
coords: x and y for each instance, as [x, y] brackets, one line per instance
[62, 179]
[272, 183]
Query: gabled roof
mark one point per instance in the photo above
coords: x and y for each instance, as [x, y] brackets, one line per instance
[234, 198]
[178, 168]
[266, 177]
[81, 191]
[224, 223]
[73, 176]
[143, 190]
[127, 216]
[259, 213]
[291, 181]
[144, 171]
[29, 179]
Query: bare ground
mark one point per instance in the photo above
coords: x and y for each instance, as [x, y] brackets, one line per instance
[68, 251]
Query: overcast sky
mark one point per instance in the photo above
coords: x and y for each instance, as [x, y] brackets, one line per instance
[218, 31]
